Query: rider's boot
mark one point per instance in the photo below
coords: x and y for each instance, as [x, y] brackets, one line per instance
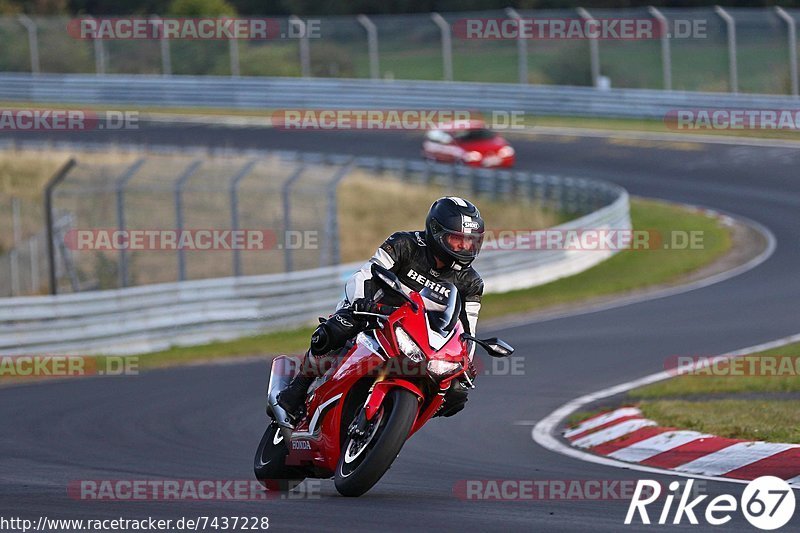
[330, 335]
[292, 398]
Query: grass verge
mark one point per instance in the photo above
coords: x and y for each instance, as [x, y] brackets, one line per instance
[754, 397]
[628, 270]
[772, 371]
[290, 341]
[655, 126]
[768, 420]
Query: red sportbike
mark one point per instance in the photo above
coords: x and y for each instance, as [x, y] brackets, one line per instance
[382, 389]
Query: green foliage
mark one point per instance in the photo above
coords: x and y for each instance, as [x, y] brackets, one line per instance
[200, 8]
[767, 420]
[7, 7]
[629, 269]
[348, 7]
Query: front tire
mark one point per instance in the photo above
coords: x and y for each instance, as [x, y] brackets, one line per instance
[269, 463]
[363, 462]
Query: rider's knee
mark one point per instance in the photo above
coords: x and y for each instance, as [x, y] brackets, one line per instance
[334, 333]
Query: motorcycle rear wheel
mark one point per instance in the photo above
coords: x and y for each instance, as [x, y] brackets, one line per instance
[269, 463]
[363, 462]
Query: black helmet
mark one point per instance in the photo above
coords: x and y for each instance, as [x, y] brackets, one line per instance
[454, 231]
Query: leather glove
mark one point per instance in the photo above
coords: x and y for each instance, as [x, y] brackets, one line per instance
[472, 372]
[364, 305]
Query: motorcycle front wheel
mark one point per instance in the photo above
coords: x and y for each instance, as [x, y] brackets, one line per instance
[364, 460]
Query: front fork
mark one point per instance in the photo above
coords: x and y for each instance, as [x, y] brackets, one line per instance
[377, 393]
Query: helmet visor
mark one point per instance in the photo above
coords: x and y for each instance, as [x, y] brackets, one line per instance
[464, 246]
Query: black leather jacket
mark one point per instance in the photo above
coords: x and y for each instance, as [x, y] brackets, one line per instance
[406, 254]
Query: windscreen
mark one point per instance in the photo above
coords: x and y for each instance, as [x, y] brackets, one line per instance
[442, 306]
[480, 134]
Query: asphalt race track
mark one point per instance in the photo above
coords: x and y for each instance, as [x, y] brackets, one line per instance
[205, 422]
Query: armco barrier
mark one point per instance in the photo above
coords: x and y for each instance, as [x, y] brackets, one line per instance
[152, 317]
[326, 93]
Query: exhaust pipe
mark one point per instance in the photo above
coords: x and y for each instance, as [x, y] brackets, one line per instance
[283, 370]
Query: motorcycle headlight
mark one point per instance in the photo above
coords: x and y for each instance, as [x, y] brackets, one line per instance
[407, 345]
[505, 151]
[442, 369]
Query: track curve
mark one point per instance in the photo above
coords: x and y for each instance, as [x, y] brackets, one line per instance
[204, 422]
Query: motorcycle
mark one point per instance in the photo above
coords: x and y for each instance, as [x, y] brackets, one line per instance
[385, 385]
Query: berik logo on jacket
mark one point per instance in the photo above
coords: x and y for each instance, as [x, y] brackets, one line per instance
[419, 278]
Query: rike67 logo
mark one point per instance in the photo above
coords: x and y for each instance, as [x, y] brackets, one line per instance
[767, 503]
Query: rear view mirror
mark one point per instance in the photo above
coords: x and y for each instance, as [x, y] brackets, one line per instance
[499, 347]
[493, 346]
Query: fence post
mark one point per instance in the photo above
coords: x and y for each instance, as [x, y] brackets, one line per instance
[33, 41]
[666, 56]
[332, 256]
[190, 169]
[16, 232]
[730, 23]
[99, 55]
[166, 59]
[34, 252]
[234, 197]
[447, 45]
[792, 27]
[594, 48]
[522, 47]
[372, 46]
[122, 269]
[286, 190]
[233, 49]
[305, 54]
[57, 178]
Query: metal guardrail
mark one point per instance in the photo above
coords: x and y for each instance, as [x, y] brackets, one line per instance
[726, 49]
[153, 317]
[326, 93]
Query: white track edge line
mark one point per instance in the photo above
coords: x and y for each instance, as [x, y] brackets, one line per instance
[543, 432]
[698, 138]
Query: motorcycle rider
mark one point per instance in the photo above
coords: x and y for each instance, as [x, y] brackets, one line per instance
[443, 252]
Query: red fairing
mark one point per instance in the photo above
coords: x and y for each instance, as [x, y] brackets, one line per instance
[363, 379]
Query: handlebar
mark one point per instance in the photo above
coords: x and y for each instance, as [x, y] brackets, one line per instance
[377, 315]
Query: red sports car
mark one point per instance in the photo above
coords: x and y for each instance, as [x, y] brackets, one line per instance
[469, 143]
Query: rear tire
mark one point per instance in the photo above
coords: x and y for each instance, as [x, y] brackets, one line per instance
[269, 463]
[362, 464]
